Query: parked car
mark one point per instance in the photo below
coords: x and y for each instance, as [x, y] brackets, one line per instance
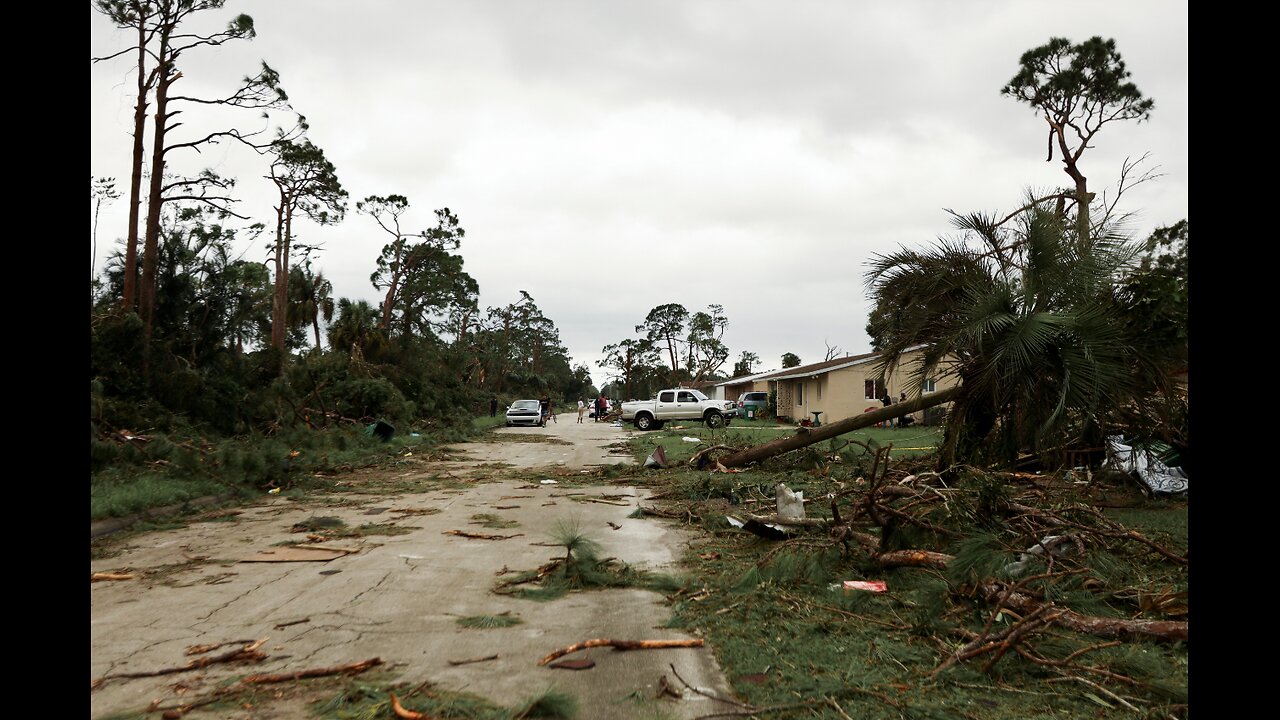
[758, 402]
[678, 404]
[525, 412]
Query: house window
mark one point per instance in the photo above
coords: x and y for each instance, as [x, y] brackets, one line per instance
[928, 386]
[873, 389]
[799, 393]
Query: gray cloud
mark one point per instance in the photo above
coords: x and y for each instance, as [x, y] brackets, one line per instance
[599, 153]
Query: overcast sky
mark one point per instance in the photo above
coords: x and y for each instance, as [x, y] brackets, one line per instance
[609, 156]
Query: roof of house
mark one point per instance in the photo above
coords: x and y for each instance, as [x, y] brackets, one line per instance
[813, 369]
[744, 378]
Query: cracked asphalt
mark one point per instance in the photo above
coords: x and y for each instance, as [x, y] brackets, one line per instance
[398, 597]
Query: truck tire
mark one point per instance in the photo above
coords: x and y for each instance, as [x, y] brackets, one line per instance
[715, 420]
[644, 421]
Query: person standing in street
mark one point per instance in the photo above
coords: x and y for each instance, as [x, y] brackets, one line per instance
[493, 406]
[582, 409]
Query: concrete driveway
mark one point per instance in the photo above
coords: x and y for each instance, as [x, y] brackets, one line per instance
[398, 597]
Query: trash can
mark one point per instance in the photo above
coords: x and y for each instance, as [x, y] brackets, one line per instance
[381, 429]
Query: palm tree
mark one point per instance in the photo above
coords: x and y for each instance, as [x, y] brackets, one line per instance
[1026, 319]
[311, 298]
[355, 329]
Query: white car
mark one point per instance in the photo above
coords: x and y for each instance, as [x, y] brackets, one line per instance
[525, 412]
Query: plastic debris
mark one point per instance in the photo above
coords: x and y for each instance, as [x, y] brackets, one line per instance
[273, 491]
[769, 531]
[1049, 544]
[549, 481]
[691, 439]
[790, 504]
[657, 458]
[1147, 465]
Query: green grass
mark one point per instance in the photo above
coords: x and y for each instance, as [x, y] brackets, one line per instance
[120, 496]
[490, 520]
[486, 622]
[908, 442]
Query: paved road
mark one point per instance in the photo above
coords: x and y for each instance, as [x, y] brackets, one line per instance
[398, 597]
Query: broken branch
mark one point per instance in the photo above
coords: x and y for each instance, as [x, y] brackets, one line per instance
[621, 645]
[352, 669]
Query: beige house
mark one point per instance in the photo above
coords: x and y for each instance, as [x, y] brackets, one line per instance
[844, 387]
[734, 388]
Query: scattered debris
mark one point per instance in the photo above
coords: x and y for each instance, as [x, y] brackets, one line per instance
[352, 669]
[291, 622]
[657, 458]
[375, 511]
[517, 497]
[877, 586]
[479, 536]
[790, 504]
[506, 507]
[249, 653]
[621, 645]
[574, 664]
[100, 576]
[665, 690]
[1147, 465]
[313, 524]
[768, 531]
[613, 525]
[1047, 545]
[382, 429]
[468, 661]
[405, 714]
[549, 481]
[417, 511]
[686, 438]
[202, 649]
[298, 553]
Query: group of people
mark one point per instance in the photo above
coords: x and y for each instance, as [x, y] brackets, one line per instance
[600, 405]
[902, 420]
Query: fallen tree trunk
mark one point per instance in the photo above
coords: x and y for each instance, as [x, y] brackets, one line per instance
[809, 436]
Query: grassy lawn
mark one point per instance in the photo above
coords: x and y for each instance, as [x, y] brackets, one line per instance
[907, 442]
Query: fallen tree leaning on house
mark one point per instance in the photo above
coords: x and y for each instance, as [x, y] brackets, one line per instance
[809, 436]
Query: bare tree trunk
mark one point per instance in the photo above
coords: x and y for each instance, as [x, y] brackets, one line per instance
[130, 300]
[280, 305]
[393, 285]
[809, 436]
[151, 249]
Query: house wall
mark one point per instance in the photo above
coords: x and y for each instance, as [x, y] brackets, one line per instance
[843, 392]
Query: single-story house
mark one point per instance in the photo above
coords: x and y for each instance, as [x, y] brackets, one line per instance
[844, 387]
[734, 388]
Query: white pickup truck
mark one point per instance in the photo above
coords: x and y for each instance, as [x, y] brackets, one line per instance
[678, 404]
